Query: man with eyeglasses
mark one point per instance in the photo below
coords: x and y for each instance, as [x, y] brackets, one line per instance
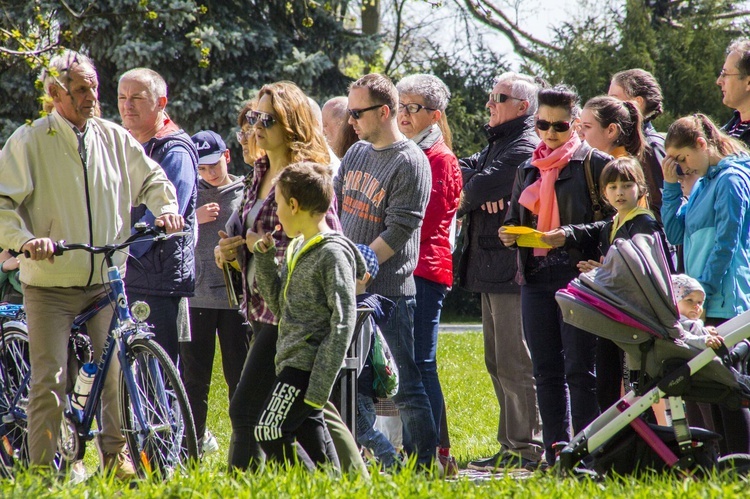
[734, 81]
[164, 276]
[488, 267]
[382, 189]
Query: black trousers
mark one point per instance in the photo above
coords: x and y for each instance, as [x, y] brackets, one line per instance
[286, 418]
[197, 356]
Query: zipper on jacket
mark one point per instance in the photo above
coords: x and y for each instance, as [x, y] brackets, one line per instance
[82, 154]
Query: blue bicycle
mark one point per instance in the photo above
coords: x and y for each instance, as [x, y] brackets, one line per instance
[156, 417]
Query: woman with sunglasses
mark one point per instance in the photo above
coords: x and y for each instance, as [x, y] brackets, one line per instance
[284, 132]
[422, 102]
[551, 191]
[713, 225]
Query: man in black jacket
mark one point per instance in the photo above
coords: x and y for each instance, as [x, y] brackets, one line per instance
[734, 80]
[489, 268]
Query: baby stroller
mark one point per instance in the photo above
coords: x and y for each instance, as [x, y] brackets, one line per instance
[629, 300]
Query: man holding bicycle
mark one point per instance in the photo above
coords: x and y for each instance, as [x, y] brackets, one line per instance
[71, 175]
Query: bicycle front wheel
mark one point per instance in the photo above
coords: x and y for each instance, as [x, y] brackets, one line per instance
[157, 420]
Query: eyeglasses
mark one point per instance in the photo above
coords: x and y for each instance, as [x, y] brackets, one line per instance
[357, 113]
[243, 135]
[724, 74]
[500, 97]
[413, 108]
[558, 126]
[253, 117]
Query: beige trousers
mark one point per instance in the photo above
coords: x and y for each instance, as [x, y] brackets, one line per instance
[50, 313]
[508, 362]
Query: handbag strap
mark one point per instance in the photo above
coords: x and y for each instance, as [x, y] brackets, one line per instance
[596, 203]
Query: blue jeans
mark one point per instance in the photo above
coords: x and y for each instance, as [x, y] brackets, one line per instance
[368, 436]
[411, 399]
[430, 297]
[563, 361]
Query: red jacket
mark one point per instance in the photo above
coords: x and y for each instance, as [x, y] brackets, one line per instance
[435, 260]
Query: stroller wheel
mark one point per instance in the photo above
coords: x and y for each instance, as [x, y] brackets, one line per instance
[735, 463]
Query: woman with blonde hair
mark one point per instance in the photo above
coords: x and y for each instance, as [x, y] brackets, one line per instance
[284, 132]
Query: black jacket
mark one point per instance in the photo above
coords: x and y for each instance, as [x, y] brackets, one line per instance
[486, 266]
[573, 200]
[742, 134]
[653, 157]
[596, 234]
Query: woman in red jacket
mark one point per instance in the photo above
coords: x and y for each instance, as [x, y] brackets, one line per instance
[422, 102]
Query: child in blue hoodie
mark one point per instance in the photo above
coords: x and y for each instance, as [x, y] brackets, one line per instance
[313, 294]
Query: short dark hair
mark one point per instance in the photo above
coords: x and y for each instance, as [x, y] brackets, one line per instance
[563, 96]
[311, 184]
[625, 169]
[381, 89]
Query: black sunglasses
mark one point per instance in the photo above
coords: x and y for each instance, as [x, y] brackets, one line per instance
[357, 113]
[558, 126]
[500, 97]
[413, 108]
[265, 119]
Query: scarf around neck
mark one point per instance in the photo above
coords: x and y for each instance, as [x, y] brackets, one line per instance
[540, 197]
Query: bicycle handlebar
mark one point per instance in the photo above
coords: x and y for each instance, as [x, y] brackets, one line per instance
[143, 233]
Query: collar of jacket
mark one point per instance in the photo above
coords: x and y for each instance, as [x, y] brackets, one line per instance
[509, 128]
[579, 155]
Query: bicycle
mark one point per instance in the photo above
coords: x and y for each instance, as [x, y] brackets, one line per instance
[156, 417]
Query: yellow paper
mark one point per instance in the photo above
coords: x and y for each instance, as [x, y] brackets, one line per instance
[527, 237]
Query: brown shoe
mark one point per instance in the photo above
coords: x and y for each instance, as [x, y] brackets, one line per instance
[450, 466]
[120, 464]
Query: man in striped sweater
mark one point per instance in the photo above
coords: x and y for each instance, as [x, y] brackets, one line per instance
[382, 189]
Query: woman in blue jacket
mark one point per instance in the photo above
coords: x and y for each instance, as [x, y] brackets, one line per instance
[714, 227]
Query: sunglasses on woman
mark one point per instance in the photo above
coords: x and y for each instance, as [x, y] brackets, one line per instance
[265, 119]
[558, 126]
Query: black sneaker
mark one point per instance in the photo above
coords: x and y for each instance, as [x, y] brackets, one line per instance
[501, 461]
[487, 463]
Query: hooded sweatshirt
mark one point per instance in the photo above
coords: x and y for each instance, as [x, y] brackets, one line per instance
[313, 294]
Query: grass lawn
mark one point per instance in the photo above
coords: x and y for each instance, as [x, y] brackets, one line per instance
[472, 417]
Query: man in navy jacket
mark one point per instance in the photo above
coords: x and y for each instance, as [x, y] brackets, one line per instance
[164, 274]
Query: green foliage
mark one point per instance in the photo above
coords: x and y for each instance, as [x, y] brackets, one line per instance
[682, 44]
[214, 54]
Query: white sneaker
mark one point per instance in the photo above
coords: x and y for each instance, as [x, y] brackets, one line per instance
[77, 473]
[209, 444]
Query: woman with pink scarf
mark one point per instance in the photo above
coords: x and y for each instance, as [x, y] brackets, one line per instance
[551, 191]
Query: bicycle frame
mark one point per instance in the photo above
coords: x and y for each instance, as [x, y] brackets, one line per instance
[122, 329]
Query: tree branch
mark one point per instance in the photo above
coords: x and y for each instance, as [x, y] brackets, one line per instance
[482, 10]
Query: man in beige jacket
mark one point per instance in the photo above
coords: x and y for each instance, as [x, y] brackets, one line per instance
[72, 176]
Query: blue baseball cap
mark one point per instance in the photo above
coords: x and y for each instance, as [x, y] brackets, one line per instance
[210, 147]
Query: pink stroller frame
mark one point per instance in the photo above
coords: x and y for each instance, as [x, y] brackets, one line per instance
[629, 300]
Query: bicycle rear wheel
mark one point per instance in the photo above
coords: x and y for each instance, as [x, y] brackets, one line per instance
[14, 396]
[157, 421]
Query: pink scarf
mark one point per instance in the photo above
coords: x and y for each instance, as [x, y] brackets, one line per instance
[540, 197]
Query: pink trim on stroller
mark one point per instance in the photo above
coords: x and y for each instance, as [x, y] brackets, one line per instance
[605, 308]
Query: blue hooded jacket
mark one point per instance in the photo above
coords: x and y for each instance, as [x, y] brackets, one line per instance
[167, 268]
[714, 227]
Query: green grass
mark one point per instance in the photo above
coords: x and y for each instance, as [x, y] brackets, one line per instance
[472, 417]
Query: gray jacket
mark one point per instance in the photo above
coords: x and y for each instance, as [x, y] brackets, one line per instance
[210, 291]
[313, 295]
